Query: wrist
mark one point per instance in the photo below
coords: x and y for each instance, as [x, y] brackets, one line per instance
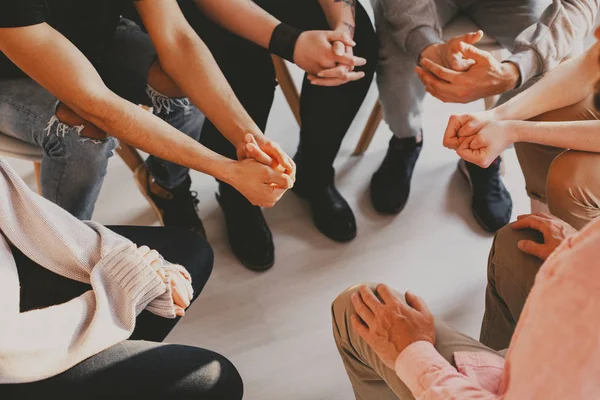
[283, 41]
[226, 171]
[345, 27]
[430, 51]
[511, 74]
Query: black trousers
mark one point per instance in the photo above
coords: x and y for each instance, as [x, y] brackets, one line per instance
[326, 112]
[139, 368]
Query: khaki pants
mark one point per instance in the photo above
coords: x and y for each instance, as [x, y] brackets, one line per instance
[567, 181]
[511, 274]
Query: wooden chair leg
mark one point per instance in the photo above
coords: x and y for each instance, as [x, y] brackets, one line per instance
[370, 129]
[37, 167]
[130, 155]
[288, 87]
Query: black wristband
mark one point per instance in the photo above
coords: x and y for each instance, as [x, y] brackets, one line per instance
[283, 41]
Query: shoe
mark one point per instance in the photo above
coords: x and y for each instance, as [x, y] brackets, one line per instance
[492, 205]
[390, 185]
[249, 235]
[332, 214]
[176, 207]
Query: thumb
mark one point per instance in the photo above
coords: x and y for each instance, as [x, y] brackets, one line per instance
[533, 248]
[339, 48]
[470, 51]
[471, 37]
[344, 37]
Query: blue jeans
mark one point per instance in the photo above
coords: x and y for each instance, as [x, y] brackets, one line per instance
[73, 166]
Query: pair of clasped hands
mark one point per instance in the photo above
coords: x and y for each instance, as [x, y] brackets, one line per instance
[328, 59]
[457, 71]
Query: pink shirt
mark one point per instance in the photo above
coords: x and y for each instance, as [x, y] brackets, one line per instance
[554, 353]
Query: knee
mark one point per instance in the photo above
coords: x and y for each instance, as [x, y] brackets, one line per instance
[68, 117]
[215, 378]
[341, 311]
[572, 177]
[507, 259]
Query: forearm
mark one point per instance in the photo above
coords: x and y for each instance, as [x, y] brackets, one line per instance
[341, 14]
[142, 130]
[242, 17]
[567, 84]
[190, 64]
[578, 135]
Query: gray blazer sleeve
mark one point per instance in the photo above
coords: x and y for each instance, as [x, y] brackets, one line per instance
[413, 23]
[562, 26]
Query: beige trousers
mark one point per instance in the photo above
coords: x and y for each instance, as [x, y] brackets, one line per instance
[511, 275]
[567, 181]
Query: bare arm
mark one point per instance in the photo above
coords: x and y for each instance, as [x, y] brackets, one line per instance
[188, 61]
[242, 17]
[577, 135]
[56, 64]
[569, 83]
[341, 14]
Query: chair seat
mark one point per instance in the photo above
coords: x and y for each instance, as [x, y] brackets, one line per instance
[11, 147]
[463, 24]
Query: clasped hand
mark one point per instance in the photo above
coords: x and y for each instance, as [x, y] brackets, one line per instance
[179, 279]
[328, 57]
[264, 171]
[458, 72]
[479, 138]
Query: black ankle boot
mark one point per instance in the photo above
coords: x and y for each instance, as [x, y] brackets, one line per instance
[390, 185]
[332, 214]
[177, 207]
[248, 233]
[491, 204]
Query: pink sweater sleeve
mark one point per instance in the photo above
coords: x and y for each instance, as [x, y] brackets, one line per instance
[430, 377]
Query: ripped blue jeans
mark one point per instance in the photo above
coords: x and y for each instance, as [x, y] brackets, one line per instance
[73, 166]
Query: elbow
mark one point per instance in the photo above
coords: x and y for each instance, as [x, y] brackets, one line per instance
[176, 50]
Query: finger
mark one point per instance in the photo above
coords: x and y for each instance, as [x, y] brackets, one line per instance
[338, 72]
[151, 256]
[451, 132]
[180, 312]
[443, 73]
[361, 329]
[387, 295]
[369, 298]
[180, 298]
[533, 248]
[350, 60]
[470, 38]
[417, 303]
[280, 156]
[257, 154]
[361, 309]
[473, 52]
[327, 82]
[432, 81]
[339, 48]
[344, 37]
[279, 179]
[528, 222]
[143, 250]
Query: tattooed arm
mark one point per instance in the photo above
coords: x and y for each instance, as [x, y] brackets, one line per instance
[340, 14]
[242, 17]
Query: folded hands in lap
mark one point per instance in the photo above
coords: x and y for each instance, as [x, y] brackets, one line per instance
[459, 72]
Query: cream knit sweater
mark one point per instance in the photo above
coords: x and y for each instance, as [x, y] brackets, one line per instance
[42, 343]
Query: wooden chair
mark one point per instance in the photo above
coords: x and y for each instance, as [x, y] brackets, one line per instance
[458, 26]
